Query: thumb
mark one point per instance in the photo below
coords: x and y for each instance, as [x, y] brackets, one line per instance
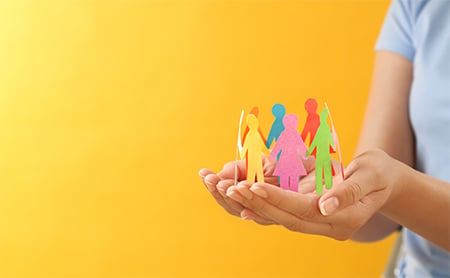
[341, 196]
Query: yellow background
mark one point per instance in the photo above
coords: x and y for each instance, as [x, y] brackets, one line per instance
[109, 108]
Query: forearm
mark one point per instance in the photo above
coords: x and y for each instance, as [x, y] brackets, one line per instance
[422, 204]
[378, 227]
[386, 126]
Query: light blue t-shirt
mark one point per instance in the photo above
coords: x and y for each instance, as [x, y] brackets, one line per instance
[420, 31]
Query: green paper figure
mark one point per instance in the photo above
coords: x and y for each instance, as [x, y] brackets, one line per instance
[321, 143]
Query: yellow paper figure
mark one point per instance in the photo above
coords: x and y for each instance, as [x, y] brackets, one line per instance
[253, 146]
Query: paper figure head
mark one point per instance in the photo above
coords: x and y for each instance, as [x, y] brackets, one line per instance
[311, 105]
[278, 110]
[324, 115]
[252, 122]
[290, 121]
[255, 111]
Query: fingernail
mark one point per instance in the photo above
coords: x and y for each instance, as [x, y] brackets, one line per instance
[221, 187]
[233, 195]
[207, 181]
[259, 191]
[200, 174]
[246, 217]
[247, 194]
[329, 206]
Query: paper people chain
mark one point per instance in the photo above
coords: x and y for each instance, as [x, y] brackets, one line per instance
[289, 147]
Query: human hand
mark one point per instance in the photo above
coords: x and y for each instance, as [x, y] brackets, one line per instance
[218, 184]
[338, 213]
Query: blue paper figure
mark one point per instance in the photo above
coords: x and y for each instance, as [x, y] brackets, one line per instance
[277, 128]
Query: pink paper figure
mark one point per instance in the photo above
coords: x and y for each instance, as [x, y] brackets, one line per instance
[289, 167]
[253, 146]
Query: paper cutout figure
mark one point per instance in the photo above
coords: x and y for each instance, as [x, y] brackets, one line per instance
[254, 111]
[288, 148]
[238, 147]
[336, 140]
[322, 142]
[312, 122]
[278, 111]
[254, 145]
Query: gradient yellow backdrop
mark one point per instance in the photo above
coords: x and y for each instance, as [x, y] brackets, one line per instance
[109, 108]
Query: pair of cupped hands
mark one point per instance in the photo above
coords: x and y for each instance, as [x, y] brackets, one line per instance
[337, 213]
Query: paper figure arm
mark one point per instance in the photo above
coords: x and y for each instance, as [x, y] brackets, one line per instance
[276, 149]
[331, 140]
[312, 147]
[306, 129]
[334, 140]
[263, 147]
[271, 137]
[302, 148]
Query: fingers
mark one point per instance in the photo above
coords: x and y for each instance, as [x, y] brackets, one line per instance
[211, 180]
[309, 164]
[204, 172]
[228, 171]
[222, 188]
[259, 205]
[300, 205]
[307, 184]
[349, 192]
[247, 214]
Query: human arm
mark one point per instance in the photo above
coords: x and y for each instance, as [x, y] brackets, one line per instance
[386, 126]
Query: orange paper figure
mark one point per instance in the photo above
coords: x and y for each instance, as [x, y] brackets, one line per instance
[254, 111]
[290, 145]
[253, 146]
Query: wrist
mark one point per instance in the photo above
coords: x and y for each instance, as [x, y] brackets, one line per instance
[396, 183]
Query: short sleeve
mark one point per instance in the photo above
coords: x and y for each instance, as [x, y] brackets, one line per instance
[397, 32]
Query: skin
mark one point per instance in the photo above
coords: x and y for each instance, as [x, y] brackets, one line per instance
[380, 191]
